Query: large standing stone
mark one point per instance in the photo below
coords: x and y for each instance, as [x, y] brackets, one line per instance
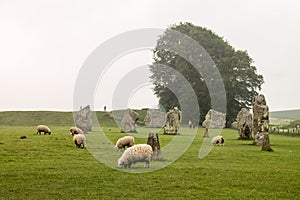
[261, 122]
[244, 124]
[172, 123]
[213, 119]
[128, 123]
[83, 119]
[155, 119]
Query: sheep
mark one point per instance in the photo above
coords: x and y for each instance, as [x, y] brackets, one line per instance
[136, 153]
[217, 140]
[75, 130]
[126, 141]
[43, 128]
[79, 140]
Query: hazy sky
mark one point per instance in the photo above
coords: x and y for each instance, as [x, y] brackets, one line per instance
[43, 45]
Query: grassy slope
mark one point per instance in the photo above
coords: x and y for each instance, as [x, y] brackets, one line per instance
[50, 167]
[286, 114]
[34, 118]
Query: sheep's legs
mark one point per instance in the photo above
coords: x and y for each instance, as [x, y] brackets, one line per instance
[146, 164]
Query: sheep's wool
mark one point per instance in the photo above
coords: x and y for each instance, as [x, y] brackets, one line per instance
[124, 141]
[136, 153]
[217, 140]
[79, 140]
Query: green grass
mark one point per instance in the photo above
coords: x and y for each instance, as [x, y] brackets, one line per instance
[51, 167]
[292, 124]
[286, 114]
[34, 118]
[54, 118]
[279, 122]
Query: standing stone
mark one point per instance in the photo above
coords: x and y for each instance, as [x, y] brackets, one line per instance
[155, 119]
[172, 123]
[244, 124]
[261, 122]
[153, 141]
[83, 119]
[206, 134]
[266, 142]
[213, 119]
[128, 123]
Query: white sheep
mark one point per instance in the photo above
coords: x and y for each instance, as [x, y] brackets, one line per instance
[126, 141]
[75, 130]
[136, 153]
[217, 140]
[43, 128]
[79, 140]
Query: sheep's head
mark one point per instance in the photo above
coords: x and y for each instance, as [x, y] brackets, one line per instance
[71, 131]
[121, 163]
[117, 148]
[222, 140]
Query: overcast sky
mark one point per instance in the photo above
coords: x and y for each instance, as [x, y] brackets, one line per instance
[43, 45]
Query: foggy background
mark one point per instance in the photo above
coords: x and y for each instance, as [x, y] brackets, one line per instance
[43, 45]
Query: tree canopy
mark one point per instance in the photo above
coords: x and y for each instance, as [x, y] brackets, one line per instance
[238, 74]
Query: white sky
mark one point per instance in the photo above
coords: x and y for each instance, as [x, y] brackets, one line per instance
[43, 45]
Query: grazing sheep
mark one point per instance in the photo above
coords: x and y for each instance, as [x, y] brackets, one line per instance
[136, 153]
[75, 131]
[217, 140]
[79, 140]
[43, 128]
[126, 141]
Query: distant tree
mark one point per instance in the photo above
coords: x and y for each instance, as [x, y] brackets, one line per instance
[239, 76]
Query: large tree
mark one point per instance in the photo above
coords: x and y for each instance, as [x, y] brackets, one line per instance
[238, 74]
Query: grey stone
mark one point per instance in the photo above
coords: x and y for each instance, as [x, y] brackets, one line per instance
[213, 119]
[128, 123]
[244, 124]
[155, 119]
[172, 123]
[83, 119]
[261, 122]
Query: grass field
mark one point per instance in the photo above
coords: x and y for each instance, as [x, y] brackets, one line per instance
[286, 114]
[51, 167]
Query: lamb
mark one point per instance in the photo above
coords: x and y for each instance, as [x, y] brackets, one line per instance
[75, 131]
[217, 140]
[43, 128]
[79, 140]
[126, 141]
[136, 153]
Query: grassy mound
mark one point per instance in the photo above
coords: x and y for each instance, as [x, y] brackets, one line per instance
[54, 118]
[33, 118]
[286, 114]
